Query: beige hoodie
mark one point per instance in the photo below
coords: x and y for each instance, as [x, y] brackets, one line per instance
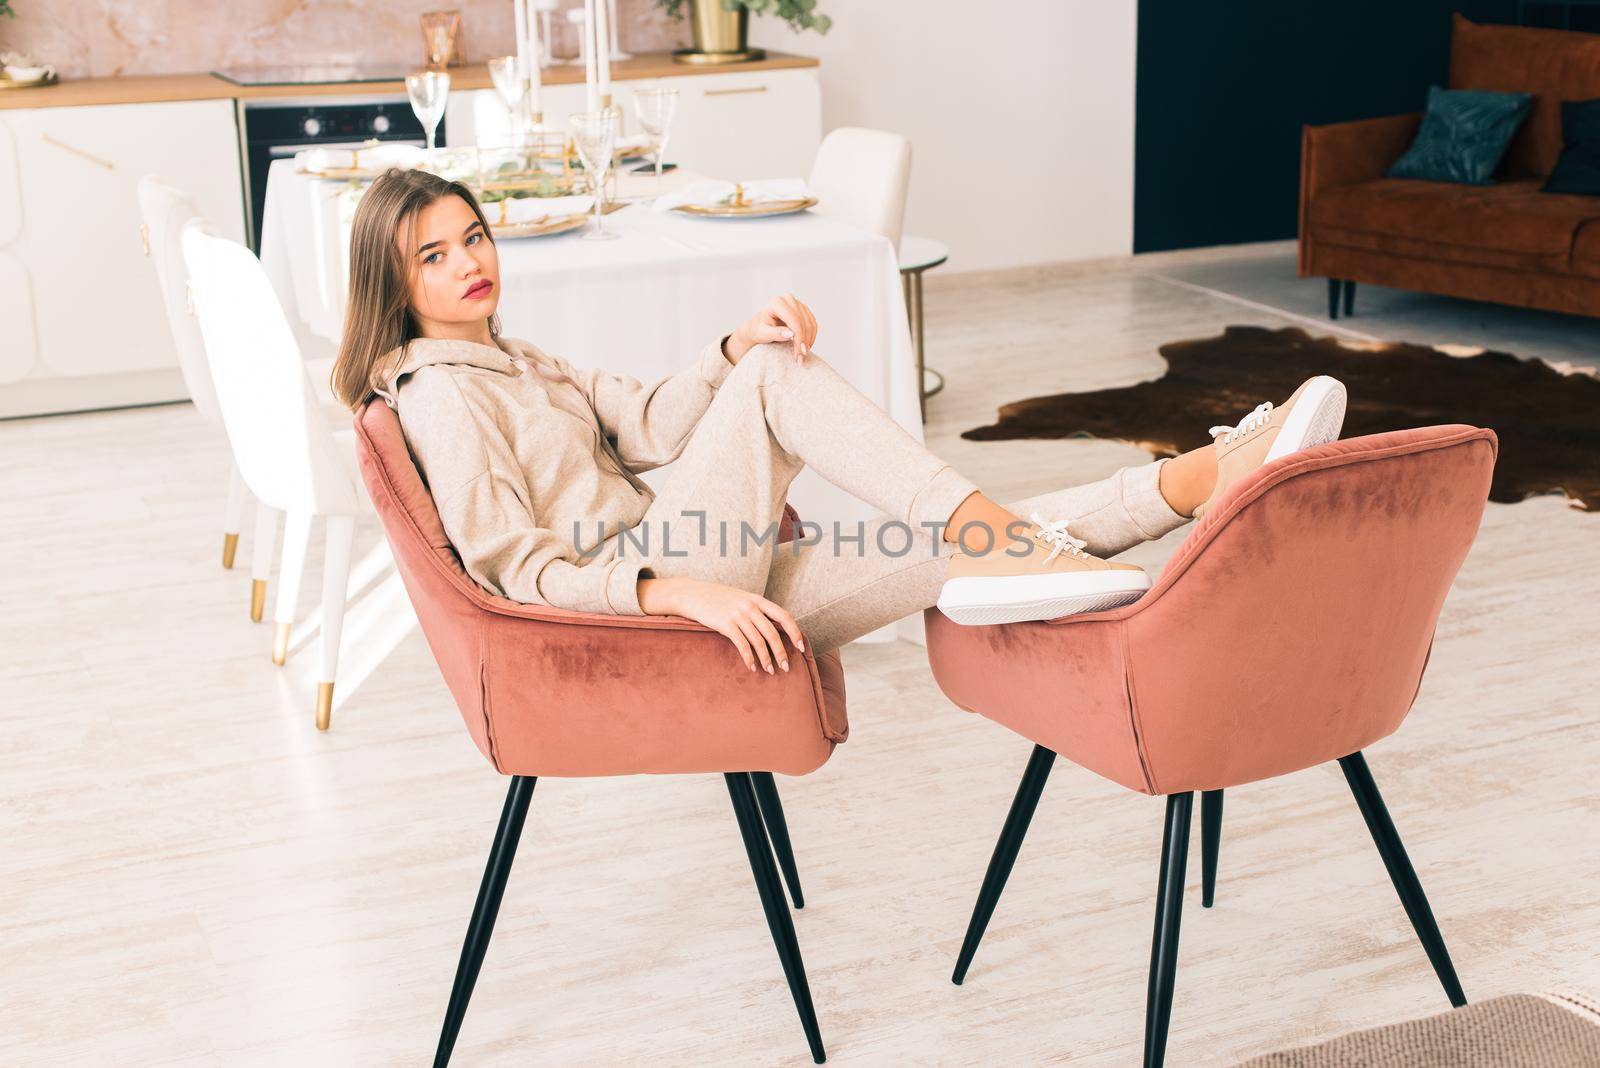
[527, 456]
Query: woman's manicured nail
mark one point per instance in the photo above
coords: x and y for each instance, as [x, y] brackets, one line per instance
[769, 669]
[786, 665]
[788, 333]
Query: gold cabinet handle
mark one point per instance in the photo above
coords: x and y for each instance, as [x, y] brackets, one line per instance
[144, 237]
[731, 92]
[107, 164]
[188, 296]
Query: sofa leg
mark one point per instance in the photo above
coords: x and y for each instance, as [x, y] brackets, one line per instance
[742, 793]
[1169, 913]
[778, 831]
[1401, 873]
[1333, 298]
[1210, 841]
[1349, 298]
[492, 889]
[1005, 854]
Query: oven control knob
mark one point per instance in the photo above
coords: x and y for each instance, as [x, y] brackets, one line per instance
[311, 126]
[380, 124]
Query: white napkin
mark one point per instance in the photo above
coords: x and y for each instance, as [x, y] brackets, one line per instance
[389, 155]
[631, 144]
[375, 158]
[532, 209]
[711, 192]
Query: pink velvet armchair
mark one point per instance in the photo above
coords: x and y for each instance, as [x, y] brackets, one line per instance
[1292, 627]
[550, 692]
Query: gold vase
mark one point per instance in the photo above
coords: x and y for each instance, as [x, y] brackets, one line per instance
[720, 36]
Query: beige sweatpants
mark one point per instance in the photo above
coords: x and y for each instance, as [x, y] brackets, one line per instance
[716, 515]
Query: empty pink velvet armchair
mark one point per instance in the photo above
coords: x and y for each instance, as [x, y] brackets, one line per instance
[550, 692]
[1292, 627]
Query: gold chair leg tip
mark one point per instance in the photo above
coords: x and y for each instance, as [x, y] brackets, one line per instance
[230, 546]
[324, 705]
[258, 599]
[280, 645]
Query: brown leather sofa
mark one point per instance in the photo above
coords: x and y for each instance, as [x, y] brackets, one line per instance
[1506, 242]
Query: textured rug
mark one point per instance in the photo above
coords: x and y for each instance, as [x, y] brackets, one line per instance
[1546, 415]
[1516, 1031]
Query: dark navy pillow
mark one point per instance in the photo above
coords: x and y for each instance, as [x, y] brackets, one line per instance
[1578, 169]
[1463, 135]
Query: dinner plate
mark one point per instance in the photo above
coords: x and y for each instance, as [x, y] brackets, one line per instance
[540, 227]
[341, 174]
[747, 211]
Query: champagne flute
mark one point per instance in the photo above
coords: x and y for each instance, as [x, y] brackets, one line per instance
[655, 108]
[595, 134]
[509, 84]
[428, 91]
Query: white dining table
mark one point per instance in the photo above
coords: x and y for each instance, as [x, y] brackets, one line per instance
[646, 303]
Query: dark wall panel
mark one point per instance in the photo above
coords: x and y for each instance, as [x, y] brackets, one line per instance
[1222, 90]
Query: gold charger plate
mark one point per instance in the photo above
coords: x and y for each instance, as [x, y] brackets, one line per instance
[540, 227]
[49, 79]
[747, 211]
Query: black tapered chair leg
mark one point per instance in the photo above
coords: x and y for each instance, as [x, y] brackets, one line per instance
[490, 891]
[1333, 298]
[742, 792]
[1169, 913]
[1210, 841]
[1401, 873]
[1349, 298]
[778, 831]
[1005, 854]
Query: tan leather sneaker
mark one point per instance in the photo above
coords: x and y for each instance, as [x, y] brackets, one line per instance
[1054, 578]
[1313, 415]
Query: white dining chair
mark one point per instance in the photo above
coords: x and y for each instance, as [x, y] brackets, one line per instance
[165, 209]
[285, 450]
[861, 176]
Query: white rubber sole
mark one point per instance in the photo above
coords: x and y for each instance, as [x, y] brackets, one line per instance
[1014, 598]
[1316, 418]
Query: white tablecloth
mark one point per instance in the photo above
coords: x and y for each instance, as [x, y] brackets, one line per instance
[644, 304]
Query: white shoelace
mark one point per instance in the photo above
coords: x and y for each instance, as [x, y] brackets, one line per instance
[1259, 417]
[1056, 536]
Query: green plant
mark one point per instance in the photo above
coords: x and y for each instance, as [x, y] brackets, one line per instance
[799, 14]
[5, 9]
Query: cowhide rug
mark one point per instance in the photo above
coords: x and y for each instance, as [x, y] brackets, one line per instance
[1547, 415]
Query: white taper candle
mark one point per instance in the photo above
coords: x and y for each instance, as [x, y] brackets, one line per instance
[602, 49]
[590, 77]
[519, 14]
[535, 50]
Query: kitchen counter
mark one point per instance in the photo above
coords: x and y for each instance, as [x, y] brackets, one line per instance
[151, 88]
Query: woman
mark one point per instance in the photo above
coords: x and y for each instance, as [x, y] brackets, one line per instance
[531, 462]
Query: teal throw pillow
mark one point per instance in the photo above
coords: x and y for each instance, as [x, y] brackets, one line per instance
[1463, 136]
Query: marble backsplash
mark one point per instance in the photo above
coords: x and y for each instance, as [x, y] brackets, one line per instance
[103, 38]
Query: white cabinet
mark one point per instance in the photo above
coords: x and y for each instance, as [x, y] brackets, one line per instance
[71, 250]
[760, 124]
[754, 124]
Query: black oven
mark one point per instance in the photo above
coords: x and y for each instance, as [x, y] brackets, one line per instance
[276, 129]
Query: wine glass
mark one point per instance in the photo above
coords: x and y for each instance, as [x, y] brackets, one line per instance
[428, 91]
[595, 134]
[655, 108]
[509, 84]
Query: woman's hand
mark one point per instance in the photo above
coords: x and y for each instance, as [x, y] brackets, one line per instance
[785, 319]
[748, 620]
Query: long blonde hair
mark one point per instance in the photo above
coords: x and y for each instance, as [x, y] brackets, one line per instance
[378, 319]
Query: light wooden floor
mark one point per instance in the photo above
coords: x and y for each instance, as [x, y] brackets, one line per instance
[192, 874]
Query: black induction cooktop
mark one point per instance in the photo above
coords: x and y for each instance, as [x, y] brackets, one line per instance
[312, 74]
